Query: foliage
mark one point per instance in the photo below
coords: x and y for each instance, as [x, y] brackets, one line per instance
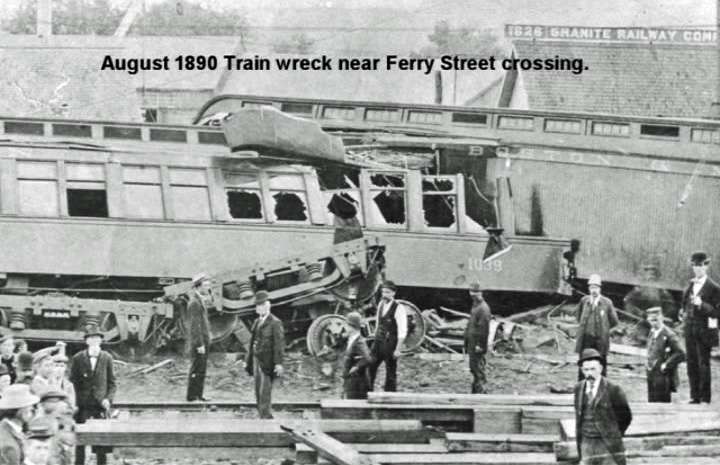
[299, 44]
[97, 17]
[463, 41]
[179, 18]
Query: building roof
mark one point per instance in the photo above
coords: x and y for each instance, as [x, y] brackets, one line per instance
[630, 79]
[64, 83]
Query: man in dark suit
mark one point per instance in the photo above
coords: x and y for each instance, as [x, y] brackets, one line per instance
[596, 316]
[198, 338]
[700, 313]
[357, 358]
[389, 337]
[664, 355]
[16, 410]
[477, 332]
[265, 357]
[602, 415]
[93, 375]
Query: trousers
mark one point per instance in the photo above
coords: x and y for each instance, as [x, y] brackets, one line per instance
[698, 368]
[196, 376]
[263, 391]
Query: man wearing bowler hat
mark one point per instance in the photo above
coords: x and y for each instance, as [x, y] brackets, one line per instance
[93, 375]
[17, 406]
[357, 357]
[602, 414]
[596, 316]
[265, 357]
[664, 355]
[699, 313]
[477, 332]
[198, 338]
[389, 337]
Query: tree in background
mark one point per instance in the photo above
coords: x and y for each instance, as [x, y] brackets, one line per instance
[465, 41]
[299, 44]
[81, 17]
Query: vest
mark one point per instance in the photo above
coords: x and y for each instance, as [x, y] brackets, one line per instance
[386, 333]
[589, 428]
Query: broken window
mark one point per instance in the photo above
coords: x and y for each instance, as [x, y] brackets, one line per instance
[143, 192]
[341, 192]
[287, 192]
[86, 193]
[389, 203]
[191, 200]
[37, 188]
[439, 201]
[244, 197]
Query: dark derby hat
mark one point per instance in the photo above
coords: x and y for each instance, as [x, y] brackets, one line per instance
[39, 428]
[24, 360]
[387, 284]
[700, 258]
[590, 354]
[261, 297]
[93, 330]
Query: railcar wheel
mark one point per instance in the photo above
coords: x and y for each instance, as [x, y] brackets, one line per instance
[325, 333]
[415, 328]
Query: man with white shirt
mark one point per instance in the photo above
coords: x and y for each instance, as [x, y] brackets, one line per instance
[700, 313]
[389, 337]
[596, 316]
[93, 375]
[602, 414]
[664, 355]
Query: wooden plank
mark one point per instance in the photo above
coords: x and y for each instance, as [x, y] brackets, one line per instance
[441, 357]
[474, 442]
[468, 399]
[624, 349]
[567, 450]
[219, 405]
[327, 447]
[240, 433]
[659, 425]
[461, 458]
[427, 413]
[205, 454]
[305, 454]
[672, 461]
[497, 420]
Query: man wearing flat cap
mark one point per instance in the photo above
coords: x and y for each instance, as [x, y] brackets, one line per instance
[265, 357]
[198, 337]
[38, 442]
[596, 315]
[664, 355]
[700, 313]
[602, 414]
[477, 332]
[16, 410]
[357, 357]
[93, 373]
[389, 337]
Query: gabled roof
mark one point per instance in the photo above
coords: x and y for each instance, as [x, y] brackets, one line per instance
[630, 79]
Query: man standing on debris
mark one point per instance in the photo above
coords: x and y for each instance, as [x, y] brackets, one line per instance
[93, 374]
[596, 315]
[265, 357]
[699, 313]
[664, 355]
[357, 358]
[476, 338]
[602, 414]
[389, 337]
[198, 338]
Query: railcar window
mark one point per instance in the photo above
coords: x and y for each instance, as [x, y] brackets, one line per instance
[244, 197]
[439, 201]
[38, 188]
[86, 192]
[288, 195]
[143, 192]
[191, 199]
[389, 206]
[341, 194]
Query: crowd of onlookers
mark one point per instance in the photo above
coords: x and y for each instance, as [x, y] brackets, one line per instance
[38, 402]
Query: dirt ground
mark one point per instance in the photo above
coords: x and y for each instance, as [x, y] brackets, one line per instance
[541, 370]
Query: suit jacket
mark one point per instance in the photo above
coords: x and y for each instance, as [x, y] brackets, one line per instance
[477, 330]
[198, 323]
[11, 445]
[665, 349]
[267, 345]
[612, 416]
[92, 386]
[357, 355]
[585, 315]
[696, 317]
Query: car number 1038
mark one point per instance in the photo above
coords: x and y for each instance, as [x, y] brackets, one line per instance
[477, 264]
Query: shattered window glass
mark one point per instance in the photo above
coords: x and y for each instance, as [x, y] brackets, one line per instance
[387, 180]
[389, 206]
[244, 204]
[290, 206]
[439, 201]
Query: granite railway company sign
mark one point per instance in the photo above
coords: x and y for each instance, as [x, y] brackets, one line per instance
[612, 34]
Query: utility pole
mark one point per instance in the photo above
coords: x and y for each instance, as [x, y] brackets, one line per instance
[44, 20]
[715, 109]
